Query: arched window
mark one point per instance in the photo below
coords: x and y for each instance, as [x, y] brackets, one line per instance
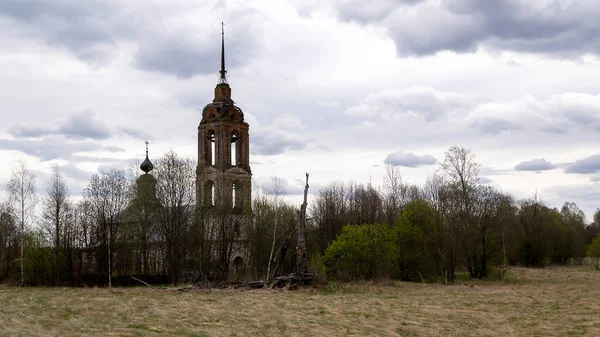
[212, 194]
[233, 199]
[209, 148]
[209, 194]
[234, 148]
[213, 152]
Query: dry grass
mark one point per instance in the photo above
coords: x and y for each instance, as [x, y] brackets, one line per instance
[548, 302]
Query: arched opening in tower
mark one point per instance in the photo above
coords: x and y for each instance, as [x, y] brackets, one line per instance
[212, 194]
[234, 149]
[233, 200]
[233, 153]
[212, 151]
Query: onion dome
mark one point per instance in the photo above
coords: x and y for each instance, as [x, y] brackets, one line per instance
[146, 165]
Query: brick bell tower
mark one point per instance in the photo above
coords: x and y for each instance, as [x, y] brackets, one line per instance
[223, 176]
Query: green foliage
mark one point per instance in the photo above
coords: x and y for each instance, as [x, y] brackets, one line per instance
[38, 259]
[379, 251]
[362, 252]
[413, 236]
[593, 250]
[317, 266]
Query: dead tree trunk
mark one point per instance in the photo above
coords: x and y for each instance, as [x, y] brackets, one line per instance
[301, 251]
[282, 253]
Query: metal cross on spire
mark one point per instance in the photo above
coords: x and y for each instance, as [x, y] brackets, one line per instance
[147, 148]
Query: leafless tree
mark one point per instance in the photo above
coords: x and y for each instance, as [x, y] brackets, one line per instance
[55, 213]
[276, 192]
[176, 193]
[444, 235]
[395, 193]
[21, 189]
[108, 195]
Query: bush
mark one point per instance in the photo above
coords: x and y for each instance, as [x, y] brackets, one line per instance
[415, 262]
[317, 267]
[362, 252]
[593, 250]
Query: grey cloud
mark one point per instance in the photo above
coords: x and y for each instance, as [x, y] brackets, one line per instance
[53, 147]
[425, 102]
[539, 164]
[586, 165]
[595, 179]
[549, 27]
[275, 142]
[365, 11]
[72, 171]
[282, 135]
[84, 124]
[79, 125]
[556, 115]
[135, 133]
[494, 126]
[177, 57]
[187, 54]
[93, 31]
[409, 159]
[84, 30]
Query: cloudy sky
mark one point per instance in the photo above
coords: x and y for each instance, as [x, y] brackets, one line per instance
[337, 88]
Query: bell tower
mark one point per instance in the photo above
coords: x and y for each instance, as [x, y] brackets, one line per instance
[223, 176]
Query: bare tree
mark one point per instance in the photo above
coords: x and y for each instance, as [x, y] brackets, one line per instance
[395, 193]
[276, 191]
[108, 196]
[21, 189]
[444, 235]
[176, 193]
[54, 213]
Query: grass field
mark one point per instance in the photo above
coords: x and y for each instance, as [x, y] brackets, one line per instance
[554, 301]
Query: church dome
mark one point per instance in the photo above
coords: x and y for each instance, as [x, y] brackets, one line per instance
[146, 165]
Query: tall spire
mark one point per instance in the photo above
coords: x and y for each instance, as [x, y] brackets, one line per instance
[222, 79]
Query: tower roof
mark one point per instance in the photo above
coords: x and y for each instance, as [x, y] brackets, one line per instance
[146, 165]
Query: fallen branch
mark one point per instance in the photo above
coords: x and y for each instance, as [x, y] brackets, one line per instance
[137, 279]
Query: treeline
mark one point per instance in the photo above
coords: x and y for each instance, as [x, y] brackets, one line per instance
[452, 223]
[126, 228]
[147, 227]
